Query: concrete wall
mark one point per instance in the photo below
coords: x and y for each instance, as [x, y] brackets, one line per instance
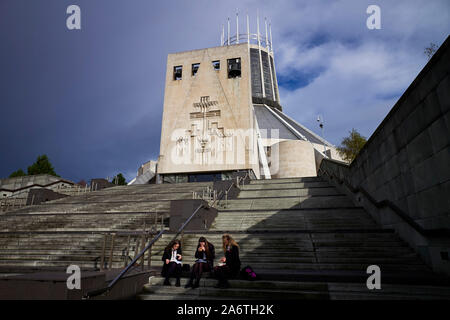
[295, 159]
[407, 160]
[19, 183]
[37, 196]
[181, 210]
[53, 285]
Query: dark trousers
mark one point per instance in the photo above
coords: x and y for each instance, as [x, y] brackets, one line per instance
[173, 270]
[198, 269]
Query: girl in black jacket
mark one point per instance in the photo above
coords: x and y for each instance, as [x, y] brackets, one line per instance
[230, 264]
[172, 262]
[205, 255]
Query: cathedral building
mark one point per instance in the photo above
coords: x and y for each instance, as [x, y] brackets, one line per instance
[222, 114]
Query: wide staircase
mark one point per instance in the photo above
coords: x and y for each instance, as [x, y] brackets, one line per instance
[306, 241]
[79, 229]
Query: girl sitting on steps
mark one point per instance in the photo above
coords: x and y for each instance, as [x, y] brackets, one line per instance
[172, 262]
[230, 264]
[205, 255]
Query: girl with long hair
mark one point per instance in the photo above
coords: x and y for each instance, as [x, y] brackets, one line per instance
[230, 264]
[172, 262]
[205, 255]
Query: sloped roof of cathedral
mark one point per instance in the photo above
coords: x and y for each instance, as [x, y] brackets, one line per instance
[271, 118]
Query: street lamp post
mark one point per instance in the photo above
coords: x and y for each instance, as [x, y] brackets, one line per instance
[320, 121]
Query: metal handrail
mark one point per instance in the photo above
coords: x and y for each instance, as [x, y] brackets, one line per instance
[125, 270]
[229, 188]
[387, 203]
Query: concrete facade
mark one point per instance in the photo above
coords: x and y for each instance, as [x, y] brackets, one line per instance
[296, 159]
[215, 123]
[407, 161]
[208, 106]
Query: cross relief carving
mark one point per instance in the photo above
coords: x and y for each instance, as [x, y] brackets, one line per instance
[205, 134]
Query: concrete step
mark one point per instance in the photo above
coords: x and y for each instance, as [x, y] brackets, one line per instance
[323, 213]
[287, 203]
[294, 192]
[97, 207]
[118, 198]
[279, 228]
[243, 294]
[159, 186]
[291, 237]
[84, 265]
[285, 185]
[287, 180]
[312, 263]
[68, 256]
[284, 261]
[288, 290]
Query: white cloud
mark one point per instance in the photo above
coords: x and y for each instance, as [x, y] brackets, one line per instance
[357, 89]
[362, 72]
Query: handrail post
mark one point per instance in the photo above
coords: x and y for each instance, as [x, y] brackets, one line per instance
[111, 251]
[149, 261]
[102, 260]
[136, 248]
[127, 251]
[144, 240]
[182, 238]
[226, 198]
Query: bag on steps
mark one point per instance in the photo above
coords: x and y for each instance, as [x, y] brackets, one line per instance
[247, 273]
[186, 267]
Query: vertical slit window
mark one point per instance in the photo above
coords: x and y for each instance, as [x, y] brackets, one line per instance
[195, 67]
[234, 68]
[216, 65]
[177, 72]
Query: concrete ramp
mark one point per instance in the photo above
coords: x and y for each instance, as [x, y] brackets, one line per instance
[143, 179]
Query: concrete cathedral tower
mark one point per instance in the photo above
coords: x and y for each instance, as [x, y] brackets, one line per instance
[222, 114]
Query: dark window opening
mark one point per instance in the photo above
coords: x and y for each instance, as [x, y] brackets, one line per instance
[195, 67]
[216, 65]
[207, 177]
[177, 72]
[268, 151]
[234, 68]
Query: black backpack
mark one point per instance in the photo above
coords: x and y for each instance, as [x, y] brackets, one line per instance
[247, 273]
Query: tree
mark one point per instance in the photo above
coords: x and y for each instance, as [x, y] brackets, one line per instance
[18, 173]
[351, 145]
[42, 166]
[429, 51]
[119, 180]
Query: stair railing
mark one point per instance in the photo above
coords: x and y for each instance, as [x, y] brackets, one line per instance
[140, 256]
[125, 270]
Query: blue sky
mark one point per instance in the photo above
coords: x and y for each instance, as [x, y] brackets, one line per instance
[92, 99]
